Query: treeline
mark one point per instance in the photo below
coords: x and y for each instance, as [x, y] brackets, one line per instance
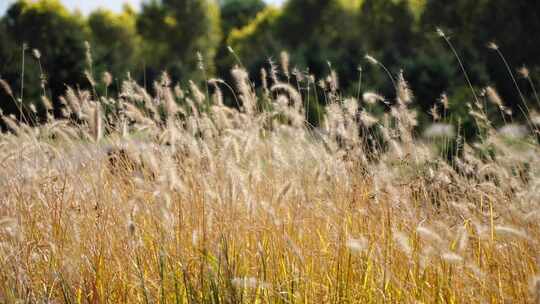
[45, 48]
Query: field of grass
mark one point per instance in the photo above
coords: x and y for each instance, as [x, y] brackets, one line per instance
[175, 198]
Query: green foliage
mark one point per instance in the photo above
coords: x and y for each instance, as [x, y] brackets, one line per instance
[114, 42]
[253, 43]
[302, 19]
[430, 73]
[46, 26]
[174, 32]
[235, 14]
[238, 13]
[8, 67]
[387, 27]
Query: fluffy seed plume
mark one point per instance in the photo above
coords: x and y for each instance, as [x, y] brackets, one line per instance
[357, 245]
[452, 258]
[285, 61]
[439, 130]
[371, 59]
[47, 104]
[535, 288]
[444, 101]
[492, 46]
[6, 87]
[106, 78]
[403, 241]
[494, 97]
[514, 131]
[97, 128]
[404, 93]
[524, 72]
[510, 232]
[291, 91]
[36, 53]
[249, 283]
[367, 120]
[372, 98]
[440, 32]
[428, 234]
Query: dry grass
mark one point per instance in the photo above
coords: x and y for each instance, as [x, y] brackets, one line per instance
[175, 198]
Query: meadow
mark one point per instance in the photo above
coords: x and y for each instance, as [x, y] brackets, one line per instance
[166, 195]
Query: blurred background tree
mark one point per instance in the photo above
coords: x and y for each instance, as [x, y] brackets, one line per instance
[58, 36]
[238, 13]
[235, 14]
[174, 32]
[115, 43]
[9, 70]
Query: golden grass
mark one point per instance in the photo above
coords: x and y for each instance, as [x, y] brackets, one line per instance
[227, 206]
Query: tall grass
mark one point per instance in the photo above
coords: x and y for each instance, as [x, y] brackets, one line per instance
[172, 197]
